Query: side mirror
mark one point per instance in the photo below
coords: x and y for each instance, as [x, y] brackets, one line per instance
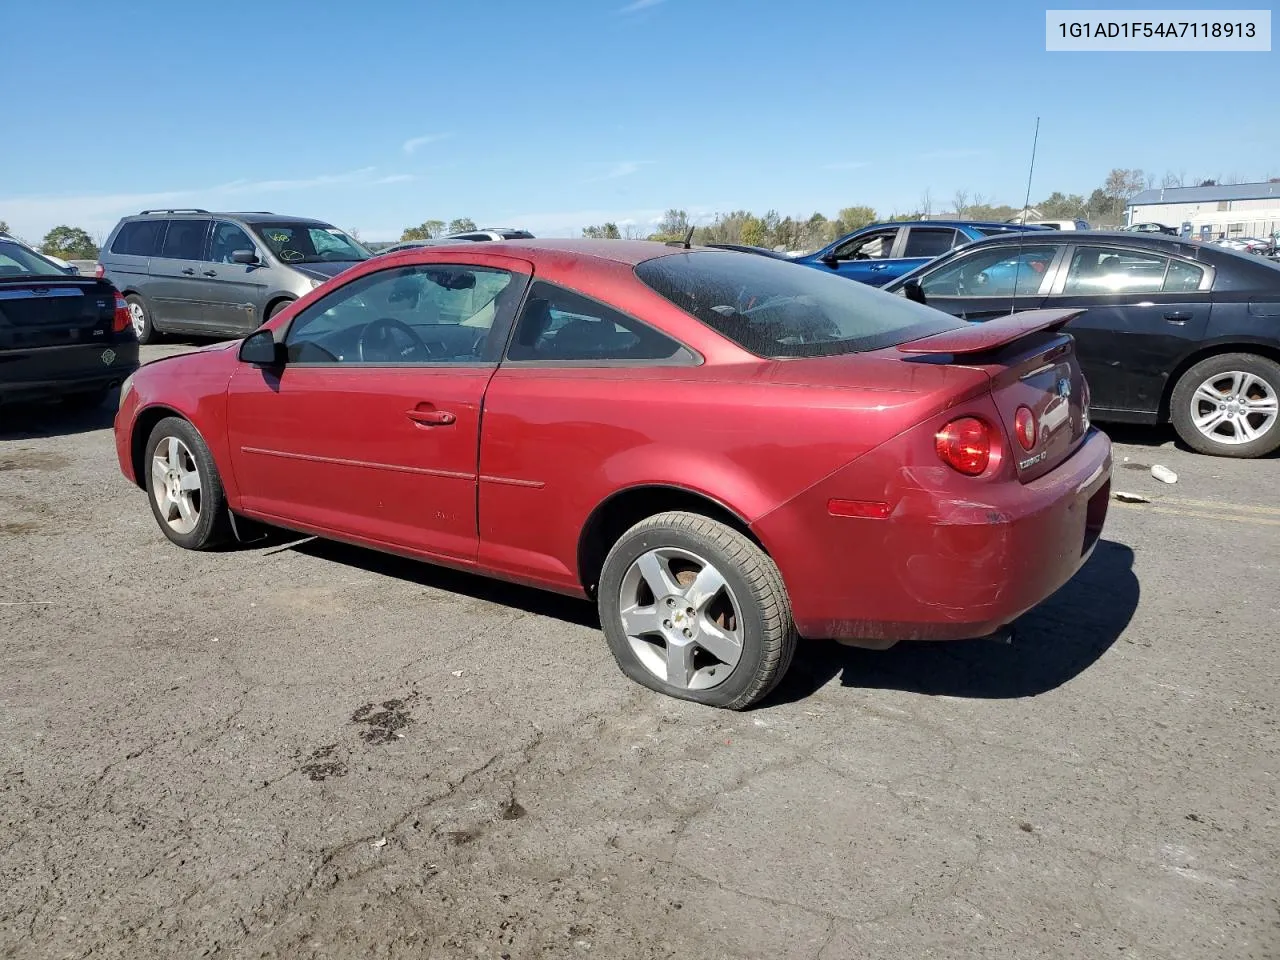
[913, 291]
[247, 257]
[261, 350]
[830, 260]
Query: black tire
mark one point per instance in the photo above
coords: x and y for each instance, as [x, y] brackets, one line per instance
[1184, 405]
[86, 401]
[213, 526]
[148, 333]
[276, 308]
[768, 634]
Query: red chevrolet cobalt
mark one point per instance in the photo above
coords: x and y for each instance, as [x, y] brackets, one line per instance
[724, 450]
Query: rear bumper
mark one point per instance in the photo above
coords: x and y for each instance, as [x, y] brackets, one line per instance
[941, 566]
[41, 373]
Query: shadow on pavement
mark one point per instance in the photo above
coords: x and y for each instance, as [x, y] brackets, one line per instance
[1054, 643]
[27, 421]
[529, 599]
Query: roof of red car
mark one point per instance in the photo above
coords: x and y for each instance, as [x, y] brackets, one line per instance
[620, 251]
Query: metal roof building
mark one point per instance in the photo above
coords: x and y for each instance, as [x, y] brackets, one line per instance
[1230, 210]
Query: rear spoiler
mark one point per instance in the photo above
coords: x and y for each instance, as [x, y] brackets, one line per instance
[980, 337]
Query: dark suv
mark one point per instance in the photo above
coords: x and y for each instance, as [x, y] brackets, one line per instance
[192, 271]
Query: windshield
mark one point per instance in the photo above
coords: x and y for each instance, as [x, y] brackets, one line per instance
[308, 243]
[17, 261]
[779, 309]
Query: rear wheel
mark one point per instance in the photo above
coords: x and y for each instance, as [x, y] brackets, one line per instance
[694, 609]
[140, 318]
[1228, 405]
[185, 490]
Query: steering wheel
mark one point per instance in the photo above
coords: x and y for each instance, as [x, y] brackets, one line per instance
[379, 335]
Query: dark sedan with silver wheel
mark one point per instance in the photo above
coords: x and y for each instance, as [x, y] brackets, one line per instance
[1228, 405]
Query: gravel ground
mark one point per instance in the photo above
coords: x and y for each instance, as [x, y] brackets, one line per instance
[307, 750]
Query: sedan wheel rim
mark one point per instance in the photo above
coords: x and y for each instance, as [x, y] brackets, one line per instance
[681, 618]
[1234, 407]
[175, 484]
[137, 318]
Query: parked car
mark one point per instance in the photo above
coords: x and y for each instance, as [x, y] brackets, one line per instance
[491, 233]
[1170, 330]
[723, 450]
[1067, 224]
[882, 252]
[61, 335]
[414, 244]
[1151, 228]
[58, 262]
[192, 271]
[748, 248]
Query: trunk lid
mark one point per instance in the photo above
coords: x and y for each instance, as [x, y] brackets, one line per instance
[1031, 364]
[54, 311]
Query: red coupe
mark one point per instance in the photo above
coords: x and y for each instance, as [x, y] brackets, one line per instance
[724, 450]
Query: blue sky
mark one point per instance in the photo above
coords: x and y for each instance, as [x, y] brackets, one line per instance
[553, 115]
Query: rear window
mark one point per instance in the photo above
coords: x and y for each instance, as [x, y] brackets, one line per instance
[779, 309]
[17, 261]
[139, 238]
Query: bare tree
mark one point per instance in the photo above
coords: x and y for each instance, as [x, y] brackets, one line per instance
[1172, 179]
[926, 204]
[961, 203]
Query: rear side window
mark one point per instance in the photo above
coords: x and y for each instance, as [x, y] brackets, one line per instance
[184, 240]
[1109, 270]
[1182, 277]
[778, 309]
[558, 325]
[139, 238]
[929, 242]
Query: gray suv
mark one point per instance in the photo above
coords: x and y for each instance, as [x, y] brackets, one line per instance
[192, 271]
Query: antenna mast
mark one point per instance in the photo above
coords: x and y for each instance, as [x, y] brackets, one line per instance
[1022, 234]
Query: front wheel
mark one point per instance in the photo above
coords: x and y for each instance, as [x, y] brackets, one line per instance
[1227, 405]
[694, 609]
[185, 490]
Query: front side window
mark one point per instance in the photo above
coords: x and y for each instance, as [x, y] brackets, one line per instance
[559, 325]
[184, 240]
[871, 246]
[139, 238]
[1105, 271]
[227, 239]
[1000, 271]
[426, 313]
[309, 243]
[17, 261]
[772, 309]
[930, 242]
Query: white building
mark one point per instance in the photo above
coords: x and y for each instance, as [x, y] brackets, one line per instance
[1231, 210]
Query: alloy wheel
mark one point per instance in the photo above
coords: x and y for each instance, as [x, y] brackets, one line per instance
[681, 618]
[1234, 407]
[138, 319]
[175, 484]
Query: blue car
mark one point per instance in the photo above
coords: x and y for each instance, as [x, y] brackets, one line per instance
[885, 251]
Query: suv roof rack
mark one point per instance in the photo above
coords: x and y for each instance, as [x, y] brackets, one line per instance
[175, 210]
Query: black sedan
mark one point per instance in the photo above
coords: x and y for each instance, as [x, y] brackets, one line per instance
[1173, 330]
[61, 335]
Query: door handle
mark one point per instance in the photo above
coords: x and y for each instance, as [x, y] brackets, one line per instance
[189, 271]
[1178, 316]
[431, 418]
[211, 273]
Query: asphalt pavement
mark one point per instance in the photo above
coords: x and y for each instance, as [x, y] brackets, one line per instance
[308, 750]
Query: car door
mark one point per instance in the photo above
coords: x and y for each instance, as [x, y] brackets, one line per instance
[921, 245]
[993, 279]
[369, 428]
[1145, 311]
[865, 257]
[236, 292]
[176, 291]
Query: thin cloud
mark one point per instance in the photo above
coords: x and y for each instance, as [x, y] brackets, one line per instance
[637, 5]
[623, 168]
[412, 144]
[393, 178]
[848, 165]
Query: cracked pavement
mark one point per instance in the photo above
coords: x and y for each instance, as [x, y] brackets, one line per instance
[306, 750]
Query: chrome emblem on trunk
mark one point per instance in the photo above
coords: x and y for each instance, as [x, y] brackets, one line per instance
[108, 357]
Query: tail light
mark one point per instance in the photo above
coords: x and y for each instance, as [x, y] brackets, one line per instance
[1024, 425]
[965, 445]
[120, 320]
[99, 271]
